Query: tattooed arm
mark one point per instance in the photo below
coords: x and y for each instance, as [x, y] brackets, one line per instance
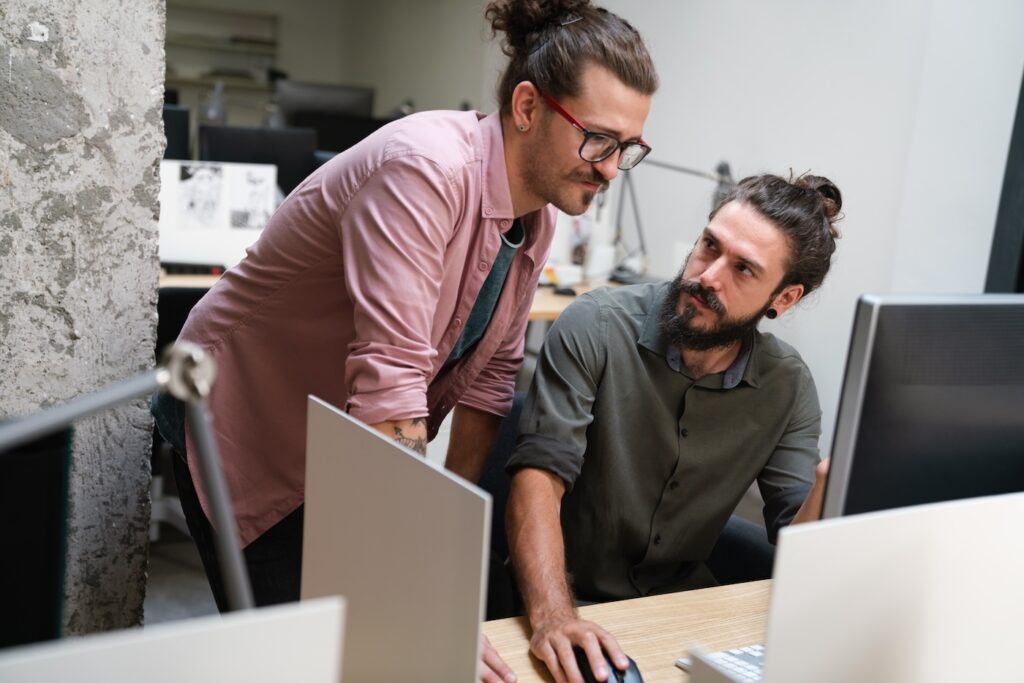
[410, 433]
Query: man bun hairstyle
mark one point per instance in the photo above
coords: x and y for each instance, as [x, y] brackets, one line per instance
[548, 42]
[806, 209]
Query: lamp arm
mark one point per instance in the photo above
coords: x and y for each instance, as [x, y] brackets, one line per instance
[187, 373]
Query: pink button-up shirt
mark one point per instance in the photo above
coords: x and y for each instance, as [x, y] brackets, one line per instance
[356, 292]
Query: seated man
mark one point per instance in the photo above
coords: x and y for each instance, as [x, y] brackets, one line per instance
[653, 409]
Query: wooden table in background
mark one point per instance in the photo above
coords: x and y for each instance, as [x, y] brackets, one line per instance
[546, 304]
[655, 631]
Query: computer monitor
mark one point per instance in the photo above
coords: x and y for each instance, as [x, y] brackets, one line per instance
[405, 541]
[342, 115]
[932, 406]
[293, 97]
[33, 532]
[176, 131]
[290, 149]
[292, 642]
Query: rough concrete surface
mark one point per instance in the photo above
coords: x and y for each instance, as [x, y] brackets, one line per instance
[81, 84]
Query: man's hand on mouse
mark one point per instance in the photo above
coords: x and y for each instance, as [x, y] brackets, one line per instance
[492, 668]
[553, 640]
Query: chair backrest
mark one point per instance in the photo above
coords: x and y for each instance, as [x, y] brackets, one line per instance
[290, 149]
[33, 530]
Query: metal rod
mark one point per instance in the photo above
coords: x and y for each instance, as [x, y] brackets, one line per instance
[718, 178]
[24, 429]
[639, 225]
[229, 553]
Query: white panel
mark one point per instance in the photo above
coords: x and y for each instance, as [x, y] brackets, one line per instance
[921, 594]
[297, 642]
[405, 542]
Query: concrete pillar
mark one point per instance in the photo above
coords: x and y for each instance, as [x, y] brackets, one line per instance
[81, 85]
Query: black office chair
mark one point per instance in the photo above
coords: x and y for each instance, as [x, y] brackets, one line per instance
[741, 554]
[173, 306]
[33, 532]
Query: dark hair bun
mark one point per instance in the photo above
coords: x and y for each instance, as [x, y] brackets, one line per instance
[832, 199]
[523, 20]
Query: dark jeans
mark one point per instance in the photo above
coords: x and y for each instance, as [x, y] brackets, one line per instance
[274, 560]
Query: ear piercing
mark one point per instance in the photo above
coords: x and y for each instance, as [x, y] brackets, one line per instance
[771, 314]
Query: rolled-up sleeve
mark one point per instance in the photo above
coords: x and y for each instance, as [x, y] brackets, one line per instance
[559, 405]
[786, 479]
[393, 232]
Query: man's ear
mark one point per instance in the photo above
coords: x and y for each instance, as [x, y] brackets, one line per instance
[787, 298]
[526, 107]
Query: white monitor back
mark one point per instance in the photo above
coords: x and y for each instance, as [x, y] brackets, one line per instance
[927, 593]
[296, 642]
[405, 541]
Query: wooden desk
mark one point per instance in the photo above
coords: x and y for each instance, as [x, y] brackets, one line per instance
[655, 631]
[546, 304]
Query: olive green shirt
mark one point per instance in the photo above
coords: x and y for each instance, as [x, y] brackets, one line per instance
[653, 461]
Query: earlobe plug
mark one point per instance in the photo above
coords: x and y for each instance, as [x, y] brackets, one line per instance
[771, 314]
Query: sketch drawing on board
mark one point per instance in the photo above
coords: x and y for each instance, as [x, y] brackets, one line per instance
[199, 194]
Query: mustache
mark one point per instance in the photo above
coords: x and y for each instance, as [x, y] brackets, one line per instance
[595, 178]
[696, 289]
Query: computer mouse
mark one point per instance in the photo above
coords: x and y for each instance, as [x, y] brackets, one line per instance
[630, 675]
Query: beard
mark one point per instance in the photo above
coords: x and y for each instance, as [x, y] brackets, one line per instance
[680, 331]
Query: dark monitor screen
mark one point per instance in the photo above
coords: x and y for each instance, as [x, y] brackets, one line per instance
[176, 130]
[932, 406]
[338, 132]
[33, 521]
[290, 149]
[293, 97]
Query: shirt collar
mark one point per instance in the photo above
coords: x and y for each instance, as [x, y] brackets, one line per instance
[497, 195]
[496, 203]
[653, 339]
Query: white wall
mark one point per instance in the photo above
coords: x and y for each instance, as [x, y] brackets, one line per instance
[907, 106]
[432, 52]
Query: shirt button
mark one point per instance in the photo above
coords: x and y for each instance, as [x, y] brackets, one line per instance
[505, 224]
[483, 265]
[457, 322]
[683, 432]
[488, 210]
[657, 539]
[673, 485]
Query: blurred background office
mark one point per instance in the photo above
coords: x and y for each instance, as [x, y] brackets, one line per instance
[908, 106]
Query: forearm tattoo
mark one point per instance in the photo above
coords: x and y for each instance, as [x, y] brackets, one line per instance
[416, 443]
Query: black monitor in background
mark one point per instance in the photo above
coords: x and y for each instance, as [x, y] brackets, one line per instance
[338, 132]
[290, 149]
[932, 406]
[176, 130]
[33, 531]
[342, 115]
[292, 97]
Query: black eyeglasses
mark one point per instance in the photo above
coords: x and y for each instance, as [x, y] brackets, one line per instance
[599, 146]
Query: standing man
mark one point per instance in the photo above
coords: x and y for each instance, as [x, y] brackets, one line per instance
[653, 409]
[397, 279]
